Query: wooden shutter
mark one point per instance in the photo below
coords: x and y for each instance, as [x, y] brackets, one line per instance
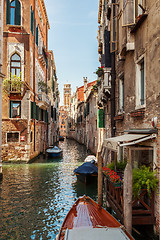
[8, 12]
[37, 112]
[37, 35]
[128, 12]
[31, 110]
[18, 12]
[51, 111]
[100, 116]
[10, 112]
[142, 82]
[114, 28]
[31, 21]
[107, 49]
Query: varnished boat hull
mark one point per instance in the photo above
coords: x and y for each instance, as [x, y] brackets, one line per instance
[87, 214]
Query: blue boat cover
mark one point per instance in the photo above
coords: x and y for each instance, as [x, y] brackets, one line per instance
[86, 168]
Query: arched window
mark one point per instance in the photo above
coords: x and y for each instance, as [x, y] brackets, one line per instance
[15, 64]
[13, 12]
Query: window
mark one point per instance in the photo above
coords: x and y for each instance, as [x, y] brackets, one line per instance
[13, 137]
[114, 28]
[15, 109]
[121, 95]
[15, 65]
[32, 20]
[13, 15]
[31, 136]
[132, 9]
[140, 83]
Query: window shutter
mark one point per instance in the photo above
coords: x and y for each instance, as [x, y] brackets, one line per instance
[34, 110]
[11, 106]
[46, 116]
[87, 109]
[107, 49]
[18, 13]
[8, 12]
[37, 112]
[142, 83]
[100, 114]
[31, 110]
[37, 35]
[54, 115]
[52, 84]
[31, 20]
[51, 111]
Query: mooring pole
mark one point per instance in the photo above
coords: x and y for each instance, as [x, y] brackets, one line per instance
[100, 179]
[127, 195]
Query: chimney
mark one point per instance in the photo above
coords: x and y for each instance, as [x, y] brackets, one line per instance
[85, 83]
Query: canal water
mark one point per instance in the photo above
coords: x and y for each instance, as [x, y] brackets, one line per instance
[35, 198]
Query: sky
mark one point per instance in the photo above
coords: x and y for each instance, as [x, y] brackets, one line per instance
[73, 39]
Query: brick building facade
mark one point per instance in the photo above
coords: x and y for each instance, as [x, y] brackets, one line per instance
[129, 45]
[26, 102]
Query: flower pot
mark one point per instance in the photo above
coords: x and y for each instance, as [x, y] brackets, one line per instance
[100, 73]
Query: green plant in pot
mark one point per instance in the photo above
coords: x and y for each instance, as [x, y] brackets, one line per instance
[144, 178]
[13, 84]
[100, 71]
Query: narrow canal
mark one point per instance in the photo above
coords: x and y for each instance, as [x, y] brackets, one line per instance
[34, 198]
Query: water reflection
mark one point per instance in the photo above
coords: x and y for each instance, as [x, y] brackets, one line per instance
[35, 198]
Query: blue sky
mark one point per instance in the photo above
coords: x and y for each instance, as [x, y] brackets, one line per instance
[73, 39]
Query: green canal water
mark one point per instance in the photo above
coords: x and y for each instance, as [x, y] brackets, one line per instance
[35, 198]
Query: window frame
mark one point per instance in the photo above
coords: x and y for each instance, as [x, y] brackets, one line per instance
[139, 99]
[17, 13]
[10, 109]
[13, 132]
[121, 94]
[15, 61]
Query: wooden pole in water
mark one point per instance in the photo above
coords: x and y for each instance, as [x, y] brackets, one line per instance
[100, 179]
[127, 195]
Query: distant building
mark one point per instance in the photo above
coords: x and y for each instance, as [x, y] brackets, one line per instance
[63, 114]
[1, 77]
[67, 95]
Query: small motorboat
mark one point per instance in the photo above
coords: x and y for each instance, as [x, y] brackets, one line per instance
[87, 220]
[54, 152]
[61, 138]
[87, 172]
[89, 158]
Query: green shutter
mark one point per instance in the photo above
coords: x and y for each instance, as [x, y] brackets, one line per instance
[8, 11]
[100, 115]
[31, 21]
[37, 35]
[37, 112]
[18, 13]
[34, 110]
[10, 110]
[31, 110]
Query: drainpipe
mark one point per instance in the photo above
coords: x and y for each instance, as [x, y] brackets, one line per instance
[34, 73]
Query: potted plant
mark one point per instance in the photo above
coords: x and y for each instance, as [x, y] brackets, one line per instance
[144, 178]
[100, 71]
[13, 84]
[112, 176]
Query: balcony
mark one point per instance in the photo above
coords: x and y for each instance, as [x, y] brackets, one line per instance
[43, 100]
[142, 207]
[104, 87]
[42, 55]
[13, 86]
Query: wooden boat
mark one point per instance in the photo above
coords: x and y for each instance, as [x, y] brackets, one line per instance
[87, 220]
[54, 152]
[61, 138]
[89, 158]
[87, 172]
